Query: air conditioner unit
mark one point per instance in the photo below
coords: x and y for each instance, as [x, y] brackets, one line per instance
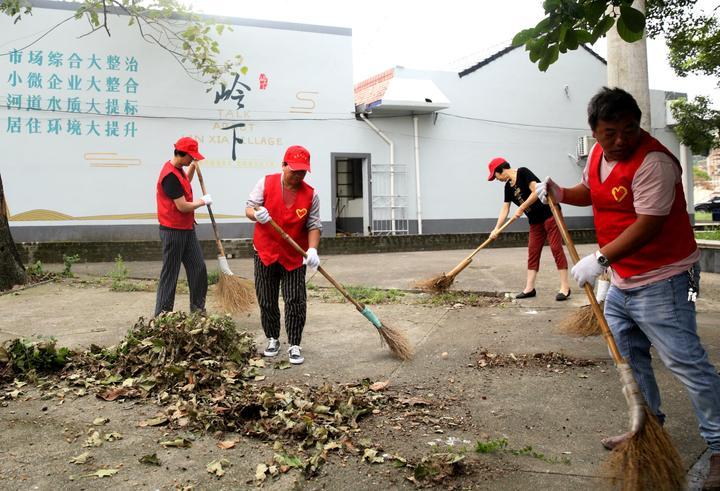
[584, 144]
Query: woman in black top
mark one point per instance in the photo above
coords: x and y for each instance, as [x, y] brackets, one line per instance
[520, 189]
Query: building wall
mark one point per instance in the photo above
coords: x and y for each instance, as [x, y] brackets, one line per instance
[506, 108]
[297, 90]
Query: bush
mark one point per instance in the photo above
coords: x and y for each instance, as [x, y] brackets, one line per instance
[68, 262]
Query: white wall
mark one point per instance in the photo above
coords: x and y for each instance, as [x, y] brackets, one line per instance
[65, 180]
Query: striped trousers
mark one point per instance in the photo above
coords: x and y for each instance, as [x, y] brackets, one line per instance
[268, 280]
[181, 247]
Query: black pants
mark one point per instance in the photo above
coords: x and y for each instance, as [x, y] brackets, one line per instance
[181, 247]
[267, 287]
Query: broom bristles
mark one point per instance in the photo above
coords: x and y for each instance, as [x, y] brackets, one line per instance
[647, 460]
[396, 341]
[235, 294]
[437, 284]
[581, 323]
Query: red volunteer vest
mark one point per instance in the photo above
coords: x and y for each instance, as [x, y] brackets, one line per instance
[271, 247]
[168, 214]
[614, 211]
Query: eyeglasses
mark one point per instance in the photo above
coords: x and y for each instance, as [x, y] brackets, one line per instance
[181, 153]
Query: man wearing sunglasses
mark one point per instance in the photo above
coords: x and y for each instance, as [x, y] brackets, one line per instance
[176, 214]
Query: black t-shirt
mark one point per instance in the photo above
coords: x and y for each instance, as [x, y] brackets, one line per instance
[537, 212]
[172, 187]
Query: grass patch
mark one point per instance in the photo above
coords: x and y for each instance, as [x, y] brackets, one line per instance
[713, 234]
[703, 216]
[502, 445]
[372, 296]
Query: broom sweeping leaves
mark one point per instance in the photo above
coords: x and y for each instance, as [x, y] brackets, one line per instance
[395, 340]
[443, 281]
[648, 458]
[235, 294]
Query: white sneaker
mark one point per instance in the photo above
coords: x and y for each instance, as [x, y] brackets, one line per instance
[294, 355]
[273, 347]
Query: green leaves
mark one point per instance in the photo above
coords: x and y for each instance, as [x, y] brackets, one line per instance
[630, 24]
[697, 124]
[568, 24]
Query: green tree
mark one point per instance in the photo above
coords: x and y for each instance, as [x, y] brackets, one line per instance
[698, 125]
[699, 174]
[191, 42]
[692, 37]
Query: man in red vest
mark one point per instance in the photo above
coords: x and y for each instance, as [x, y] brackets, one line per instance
[176, 214]
[294, 205]
[635, 188]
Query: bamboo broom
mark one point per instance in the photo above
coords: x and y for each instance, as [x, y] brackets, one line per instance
[443, 281]
[236, 294]
[582, 322]
[647, 459]
[395, 339]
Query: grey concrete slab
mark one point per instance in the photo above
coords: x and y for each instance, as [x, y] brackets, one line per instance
[560, 414]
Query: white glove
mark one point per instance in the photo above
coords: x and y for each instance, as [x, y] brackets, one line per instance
[542, 188]
[262, 215]
[587, 270]
[207, 199]
[312, 259]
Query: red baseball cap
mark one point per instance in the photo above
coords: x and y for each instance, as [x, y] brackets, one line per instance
[189, 146]
[493, 165]
[297, 158]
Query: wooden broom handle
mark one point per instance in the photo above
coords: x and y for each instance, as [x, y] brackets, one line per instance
[466, 262]
[212, 217]
[607, 334]
[300, 250]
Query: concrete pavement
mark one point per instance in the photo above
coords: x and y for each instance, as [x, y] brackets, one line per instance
[561, 412]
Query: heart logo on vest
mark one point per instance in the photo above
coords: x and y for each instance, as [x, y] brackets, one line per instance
[619, 193]
[301, 212]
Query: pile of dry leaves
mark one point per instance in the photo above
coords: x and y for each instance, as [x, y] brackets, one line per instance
[550, 360]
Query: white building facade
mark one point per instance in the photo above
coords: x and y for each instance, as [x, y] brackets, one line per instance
[86, 123]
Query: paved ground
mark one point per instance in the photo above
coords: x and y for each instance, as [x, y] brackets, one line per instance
[561, 413]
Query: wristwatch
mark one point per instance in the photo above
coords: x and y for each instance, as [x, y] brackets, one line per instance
[602, 260]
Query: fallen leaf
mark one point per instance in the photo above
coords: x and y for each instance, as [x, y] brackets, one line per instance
[177, 443]
[226, 444]
[93, 440]
[260, 472]
[81, 459]
[256, 363]
[150, 459]
[414, 401]
[112, 436]
[102, 473]
[114, 393]
[160, 420]
[216, 467]
[100, 421]
[282, 365]
[372, 457]
[379, 386]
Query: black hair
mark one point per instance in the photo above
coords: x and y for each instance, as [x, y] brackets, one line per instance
[501, 167]
[612, 105]
[180, 153]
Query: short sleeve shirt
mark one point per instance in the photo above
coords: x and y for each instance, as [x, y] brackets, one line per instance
[520, 192]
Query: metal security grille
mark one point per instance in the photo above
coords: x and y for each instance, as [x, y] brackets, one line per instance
[389, 199]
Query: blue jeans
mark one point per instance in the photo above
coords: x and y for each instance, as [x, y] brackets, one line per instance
[660, 315]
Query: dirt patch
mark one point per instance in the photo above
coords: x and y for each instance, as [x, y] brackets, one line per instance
[552, 361]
